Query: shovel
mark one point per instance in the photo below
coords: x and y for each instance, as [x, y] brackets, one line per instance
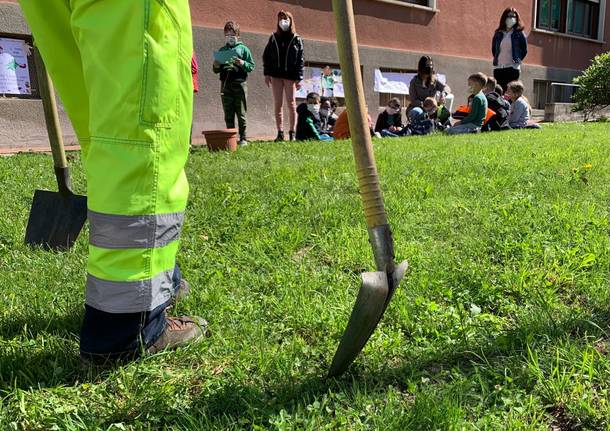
[378, 287]
[56, 218]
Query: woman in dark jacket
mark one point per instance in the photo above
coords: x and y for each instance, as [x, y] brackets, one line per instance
[509, 48]
[283, 62]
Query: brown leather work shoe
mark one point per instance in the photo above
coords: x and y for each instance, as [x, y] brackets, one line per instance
[179, 332]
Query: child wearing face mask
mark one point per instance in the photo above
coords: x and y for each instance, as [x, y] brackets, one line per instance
[328, 118]
[389, 122]
[309, 125]
[478, 110]
[233, 76]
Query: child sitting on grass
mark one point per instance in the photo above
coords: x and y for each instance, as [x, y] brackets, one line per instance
[389, 122]
[439, 114]
[328, 118]
[309, 126]
[435, 111]
[423, 121]
[473, 122]
[519, 114]
[497, 103]
[341, 129]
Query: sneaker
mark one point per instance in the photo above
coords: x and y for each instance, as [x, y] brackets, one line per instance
[280, 136]
[242, 143]
[292, 136]
[179, 332]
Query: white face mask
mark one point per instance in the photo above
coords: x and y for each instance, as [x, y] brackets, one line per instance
[324, 112]
[511, 22]
[285, 24]
[231, 40]
[314, 108]
[391, 111]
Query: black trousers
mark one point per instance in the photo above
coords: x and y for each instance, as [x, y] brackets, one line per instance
[506, 75]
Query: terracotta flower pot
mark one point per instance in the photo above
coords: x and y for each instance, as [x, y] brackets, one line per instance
[221, 140]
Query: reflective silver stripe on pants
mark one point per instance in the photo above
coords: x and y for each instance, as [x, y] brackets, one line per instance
[129, 296]
[141, 231]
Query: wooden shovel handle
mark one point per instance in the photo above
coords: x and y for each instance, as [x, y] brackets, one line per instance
[47, 93]
[368, 179]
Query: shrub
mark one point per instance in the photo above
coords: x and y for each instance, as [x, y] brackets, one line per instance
[593, 93]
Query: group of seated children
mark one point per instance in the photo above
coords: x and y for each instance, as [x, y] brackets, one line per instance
[488, 110]
[421, 121]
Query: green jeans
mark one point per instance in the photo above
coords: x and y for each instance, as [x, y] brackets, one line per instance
[234, 95]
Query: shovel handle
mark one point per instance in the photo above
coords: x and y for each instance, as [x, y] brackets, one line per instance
[380, 234]
[47, 93]
[366, 169]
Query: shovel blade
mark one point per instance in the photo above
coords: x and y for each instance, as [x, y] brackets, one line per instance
[366, 313]
[55, 219]
[373, 298]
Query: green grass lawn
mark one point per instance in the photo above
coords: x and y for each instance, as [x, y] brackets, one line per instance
[502, 322]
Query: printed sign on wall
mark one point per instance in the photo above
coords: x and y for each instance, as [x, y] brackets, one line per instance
[397, 83]
[14, 69]
[326, 82]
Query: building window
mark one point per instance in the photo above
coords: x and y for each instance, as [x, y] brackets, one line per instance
[576, 17]
[552, 92]
[418, 2]
[428, 4]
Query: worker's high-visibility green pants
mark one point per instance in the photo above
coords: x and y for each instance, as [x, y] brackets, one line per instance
[122, 70]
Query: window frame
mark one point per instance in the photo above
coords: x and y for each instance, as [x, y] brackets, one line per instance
[598, 25]
[431, 7]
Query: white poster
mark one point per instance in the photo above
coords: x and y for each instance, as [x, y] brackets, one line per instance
[311, 83]
[392, 82]
[397, 83]
[14, 70]
[314, 82]
[339, 92]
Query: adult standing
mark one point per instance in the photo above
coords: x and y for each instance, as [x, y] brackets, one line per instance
[509, 47]
[284, 62]
[423, 85]
[135, 145]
